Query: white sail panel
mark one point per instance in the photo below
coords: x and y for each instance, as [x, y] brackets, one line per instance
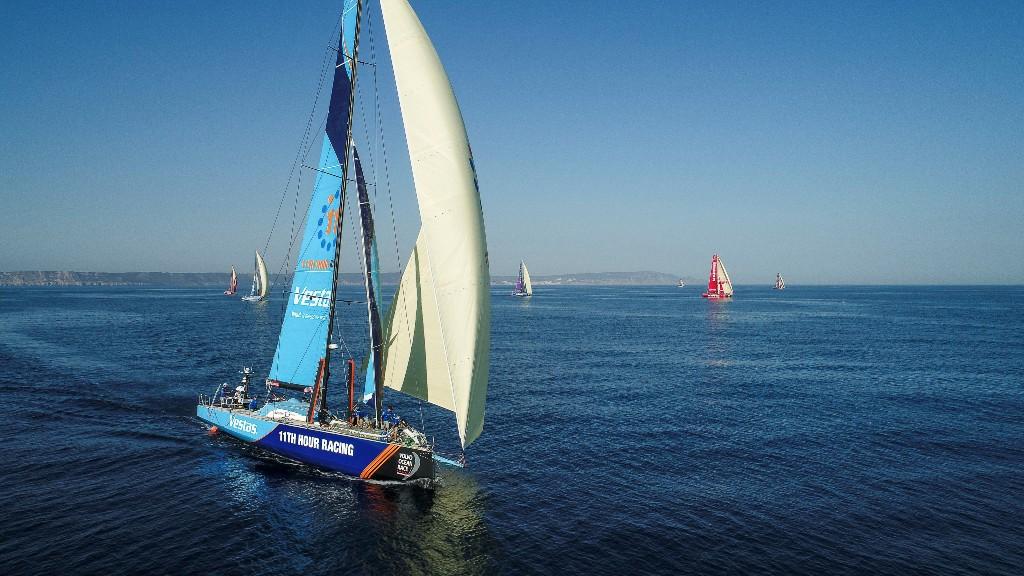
[261, 275]
[723, 279]
[414, 355]
[453, 246]
[527, 285]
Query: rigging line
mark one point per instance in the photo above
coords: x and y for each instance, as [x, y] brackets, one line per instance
[284, 305]
[387, 176]
[306, 132]
[307, 143]
[303, 357]
[373, 167]
[355, 239]
[293, 234]
[349, 57]
[366, 135]
[329, 173]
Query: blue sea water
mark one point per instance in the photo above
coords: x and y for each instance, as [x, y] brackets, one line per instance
[641, 430]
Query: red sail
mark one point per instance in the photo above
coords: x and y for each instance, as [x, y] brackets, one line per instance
[715, 289]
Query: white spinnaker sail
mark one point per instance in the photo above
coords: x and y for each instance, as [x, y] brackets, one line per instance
[723, 279]
[442, 309]
[261, 275]
[527, 285]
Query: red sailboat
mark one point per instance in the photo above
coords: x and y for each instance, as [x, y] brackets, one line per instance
[719, 284]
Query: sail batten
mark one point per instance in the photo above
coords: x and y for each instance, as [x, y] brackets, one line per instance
[440, 354]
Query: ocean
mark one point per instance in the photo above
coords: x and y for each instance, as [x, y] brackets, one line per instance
[629, 430]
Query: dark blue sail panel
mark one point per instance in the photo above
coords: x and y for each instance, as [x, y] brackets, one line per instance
[303, 339]
[374, 366]
[337, 115]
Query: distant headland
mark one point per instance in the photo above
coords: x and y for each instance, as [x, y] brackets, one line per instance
[219, 279]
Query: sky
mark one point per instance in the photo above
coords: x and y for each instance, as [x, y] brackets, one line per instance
[835, 142]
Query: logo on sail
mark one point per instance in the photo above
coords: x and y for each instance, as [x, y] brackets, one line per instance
[327, 227]
[322, 264]
[306, 297]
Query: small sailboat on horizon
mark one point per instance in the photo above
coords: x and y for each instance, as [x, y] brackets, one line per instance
[719, 284]
[233, 284]
[260, 284]
[780, 284]
[523, 285]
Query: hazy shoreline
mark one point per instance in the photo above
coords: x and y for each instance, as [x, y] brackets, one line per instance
[215, 279]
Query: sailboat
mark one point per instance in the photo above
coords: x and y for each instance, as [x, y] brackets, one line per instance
[435, 342]
[523, 285]
[719, 284]
[233, 285]
[258, 292]
[780, 284]
[681, 284]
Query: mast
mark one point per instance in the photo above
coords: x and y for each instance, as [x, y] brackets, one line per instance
[326, 372]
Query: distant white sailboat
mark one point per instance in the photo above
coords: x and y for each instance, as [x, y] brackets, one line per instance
[523, 285]
[681, 284]
[780, 284]
[260, 286]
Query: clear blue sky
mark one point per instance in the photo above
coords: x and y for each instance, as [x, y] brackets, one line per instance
[846, 142]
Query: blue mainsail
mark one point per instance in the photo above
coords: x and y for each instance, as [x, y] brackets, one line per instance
[303, 338]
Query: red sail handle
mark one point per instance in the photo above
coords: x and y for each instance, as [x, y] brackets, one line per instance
[351, 386]
[316, 392]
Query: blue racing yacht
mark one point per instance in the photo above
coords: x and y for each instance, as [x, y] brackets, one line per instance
[434, 343]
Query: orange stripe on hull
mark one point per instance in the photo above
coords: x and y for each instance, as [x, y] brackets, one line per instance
[379, 461]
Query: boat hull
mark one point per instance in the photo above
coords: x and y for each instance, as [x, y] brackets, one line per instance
[323, 448]
[713, 296]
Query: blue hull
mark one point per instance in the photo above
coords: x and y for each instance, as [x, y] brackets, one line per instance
[323, 448]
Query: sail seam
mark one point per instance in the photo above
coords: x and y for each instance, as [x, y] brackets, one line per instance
[444, 346]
